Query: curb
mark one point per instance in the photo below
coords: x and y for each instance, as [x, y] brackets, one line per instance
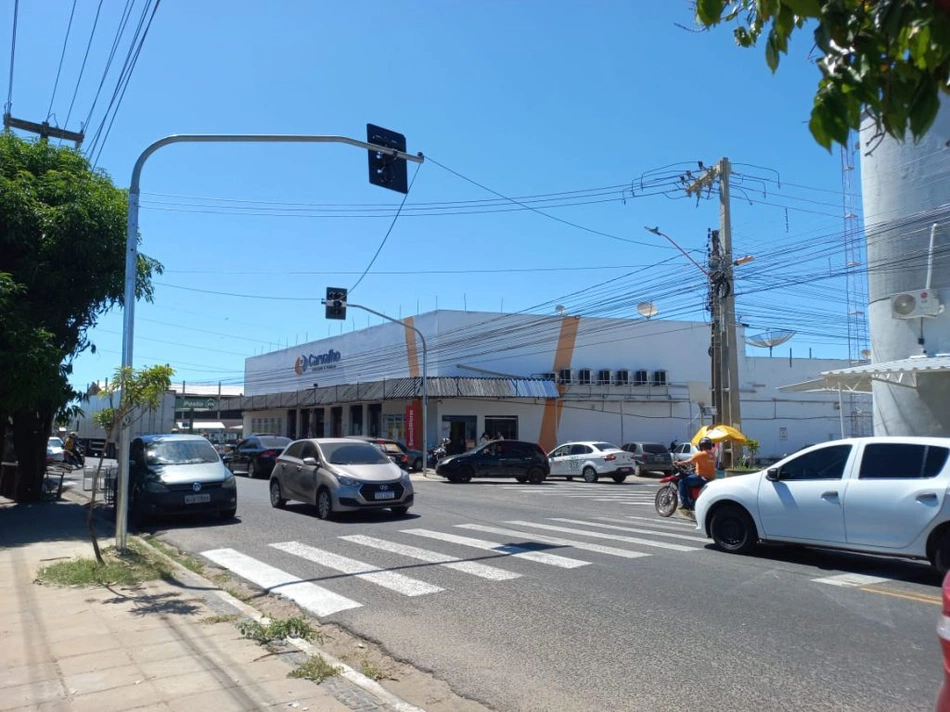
[354, 676]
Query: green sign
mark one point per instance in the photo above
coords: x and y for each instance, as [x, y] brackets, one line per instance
[195, 403]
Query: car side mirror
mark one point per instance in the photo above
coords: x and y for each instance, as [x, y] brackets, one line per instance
[773, 474]
[310, 461]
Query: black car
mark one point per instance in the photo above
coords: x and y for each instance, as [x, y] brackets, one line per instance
[411, 461]
[178, 474]
[256, 454]
[524, 461]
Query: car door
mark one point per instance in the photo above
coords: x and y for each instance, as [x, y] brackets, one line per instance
[559, 460]
[805, 503]
[579, 455]
[243, 454]
[306, 474]
[285, 470]
[898, 491]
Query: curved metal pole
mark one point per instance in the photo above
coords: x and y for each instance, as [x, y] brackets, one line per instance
[131, 260]
[425, 379]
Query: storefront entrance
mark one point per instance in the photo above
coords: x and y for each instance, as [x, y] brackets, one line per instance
[461, 432]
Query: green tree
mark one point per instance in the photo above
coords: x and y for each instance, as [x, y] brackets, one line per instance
[889, 58]
[138, 392]
[62, 265]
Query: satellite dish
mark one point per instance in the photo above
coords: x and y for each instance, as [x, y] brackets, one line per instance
[559, 308]
[647, 309]
[769, 339]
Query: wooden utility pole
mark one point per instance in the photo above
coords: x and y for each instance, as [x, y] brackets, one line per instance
[729, 312]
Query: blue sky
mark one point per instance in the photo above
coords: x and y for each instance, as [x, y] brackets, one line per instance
[528, 98]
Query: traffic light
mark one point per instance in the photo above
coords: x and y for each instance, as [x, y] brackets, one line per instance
[385, 170]
[335, 303]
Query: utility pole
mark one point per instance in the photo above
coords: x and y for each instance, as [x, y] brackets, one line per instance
[724, 349]
[44, 130]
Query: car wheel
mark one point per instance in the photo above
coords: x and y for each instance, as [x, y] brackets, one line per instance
[251, 470]
[536, 475]
[276, 501]
[521, 478]
[590, 474]
[637, 472]
[941, 553]
[619, 478]
[324, 504]
[454, 479]
[400, 511]
[466, 475]
[228, 513]
[733, 529]
[417, 464]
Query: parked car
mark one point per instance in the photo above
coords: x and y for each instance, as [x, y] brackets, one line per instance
[178, 474]
[54, 450]
[880, 495]
[411, 460]
[943, 634]
[590, 460]
[524, 461]
[256, 454]
[339, 475]
[683, 452]
[648, 456]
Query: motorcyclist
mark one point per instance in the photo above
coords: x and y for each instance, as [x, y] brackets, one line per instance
[71, 451]
[705, 463]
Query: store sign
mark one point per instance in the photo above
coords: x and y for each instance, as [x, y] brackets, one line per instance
[316, 362]
[414, 424]
[195, 403]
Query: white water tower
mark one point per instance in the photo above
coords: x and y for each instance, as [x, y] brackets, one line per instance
[906, 196]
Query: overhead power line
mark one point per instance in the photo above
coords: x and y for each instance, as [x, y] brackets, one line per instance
[62, 56]
[16, 14]
[82, 68]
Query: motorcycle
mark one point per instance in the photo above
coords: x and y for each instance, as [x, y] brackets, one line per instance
[75, 457]
[437, 453]
[667, 497]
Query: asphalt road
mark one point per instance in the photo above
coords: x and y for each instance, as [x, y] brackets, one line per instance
[634, 612]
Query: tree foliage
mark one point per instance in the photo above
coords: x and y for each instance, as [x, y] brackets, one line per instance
[62, 265]
[889, 58]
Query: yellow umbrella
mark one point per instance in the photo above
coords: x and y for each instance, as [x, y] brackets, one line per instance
[718, 433]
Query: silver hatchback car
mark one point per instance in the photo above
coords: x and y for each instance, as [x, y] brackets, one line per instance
[339, 475]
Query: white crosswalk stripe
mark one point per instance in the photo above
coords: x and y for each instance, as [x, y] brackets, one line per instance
[433, 557]
[599, 548]
[508, 549]
[315, 599]
[387, 579]
[601, 535]
[632, 530]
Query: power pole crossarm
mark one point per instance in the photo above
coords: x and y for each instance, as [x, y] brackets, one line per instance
[44, 130]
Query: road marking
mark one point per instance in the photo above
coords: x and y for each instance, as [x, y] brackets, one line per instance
[538, 557]
[314, 598]
[612, 537]
[434, 557]
[655, 521]
[850, 580]
[919, 597]
[610, 550]
[387, 579]
[634, 530]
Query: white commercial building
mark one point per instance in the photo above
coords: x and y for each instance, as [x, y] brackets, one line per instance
[546, 379]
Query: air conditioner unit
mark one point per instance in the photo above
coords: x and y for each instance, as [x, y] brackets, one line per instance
[623, 377]
[583, 376]
[659, 378]
[564, 375]
[603, 377]
[915, 305]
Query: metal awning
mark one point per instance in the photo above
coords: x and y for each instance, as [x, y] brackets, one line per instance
[858, 379]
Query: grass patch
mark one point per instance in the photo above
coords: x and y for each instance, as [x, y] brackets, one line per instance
[277, 630]
[186, 560]
[374, 672]
[211, 620]
[134, 566]
[316, 669]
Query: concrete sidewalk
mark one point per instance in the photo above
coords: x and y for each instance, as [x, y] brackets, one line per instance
[157, 646]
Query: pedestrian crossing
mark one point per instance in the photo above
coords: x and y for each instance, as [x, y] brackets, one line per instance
[632, 495]
[515, 549]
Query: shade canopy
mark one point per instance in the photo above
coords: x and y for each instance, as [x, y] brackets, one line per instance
[718, 434]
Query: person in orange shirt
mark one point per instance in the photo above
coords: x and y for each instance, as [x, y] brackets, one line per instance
[705, 462]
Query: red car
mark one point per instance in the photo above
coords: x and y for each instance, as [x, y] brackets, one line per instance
[943, 632]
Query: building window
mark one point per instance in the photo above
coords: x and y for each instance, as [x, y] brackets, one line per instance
[640, 378]
[504, 425]
[583, 376]
[394, 427]
[659, 378]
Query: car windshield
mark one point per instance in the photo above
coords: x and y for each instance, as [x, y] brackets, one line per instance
[605, 446]
[654, 448]
[180, 452]
[353, 454]
[275, 442]
[54, 442]
[391, 447]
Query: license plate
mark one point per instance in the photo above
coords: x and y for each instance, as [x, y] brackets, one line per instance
[623, 469]
[385, 495]
[197, 498]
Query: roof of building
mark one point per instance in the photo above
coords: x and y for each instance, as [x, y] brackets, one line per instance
[858, 379]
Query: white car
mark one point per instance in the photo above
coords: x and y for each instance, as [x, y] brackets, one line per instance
[54, 450]
[590, 460]
[684, 451]
[880, 495]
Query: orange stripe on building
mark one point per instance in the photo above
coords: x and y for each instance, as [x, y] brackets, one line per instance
[551, 417]
[412, 353]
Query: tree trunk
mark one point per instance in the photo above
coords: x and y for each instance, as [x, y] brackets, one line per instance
[30, 433]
